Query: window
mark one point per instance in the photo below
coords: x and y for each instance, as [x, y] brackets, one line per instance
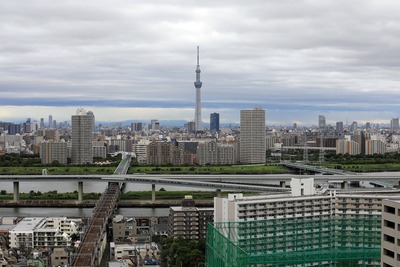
[388, 238]
[389, 224]
[389, 209]
[388, 253]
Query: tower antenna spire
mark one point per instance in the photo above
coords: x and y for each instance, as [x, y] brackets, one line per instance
[197, 85]
[198, 56]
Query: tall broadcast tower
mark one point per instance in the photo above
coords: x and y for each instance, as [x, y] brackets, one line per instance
[197, 84]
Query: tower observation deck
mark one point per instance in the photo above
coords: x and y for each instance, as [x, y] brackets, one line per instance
[197, 85]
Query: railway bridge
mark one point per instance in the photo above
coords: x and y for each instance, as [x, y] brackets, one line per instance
[94, 240]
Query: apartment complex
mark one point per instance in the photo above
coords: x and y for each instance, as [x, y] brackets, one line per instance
[214, 153]
[34, 232]
[306, 228]
[164, 152]
[53, 151]
[188, 221]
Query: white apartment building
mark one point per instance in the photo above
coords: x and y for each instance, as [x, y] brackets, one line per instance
[347, 147]
[375, 147]
[34, 232]
[301, 203]
[140, 150]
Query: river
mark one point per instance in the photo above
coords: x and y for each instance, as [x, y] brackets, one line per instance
[78, 212]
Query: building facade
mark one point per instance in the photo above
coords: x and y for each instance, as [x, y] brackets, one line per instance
[390, 238]
[252, 136]
[214, 122]
[53, 151]
[82, 125]
[188, 221]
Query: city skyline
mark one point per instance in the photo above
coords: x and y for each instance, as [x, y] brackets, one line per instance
[127, 60]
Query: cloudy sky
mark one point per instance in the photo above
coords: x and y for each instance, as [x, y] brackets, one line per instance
[136, 59]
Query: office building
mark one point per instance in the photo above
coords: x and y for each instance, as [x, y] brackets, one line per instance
[197, 84]
[321, 122]
[82, 126]
[140, 150]
[214, 122]
[50, 121]
[91, 115]
[339, 127]
[191, 127]
[136, 126]
[353, 126]
[252, 136]
[394, 125]
[155, 125]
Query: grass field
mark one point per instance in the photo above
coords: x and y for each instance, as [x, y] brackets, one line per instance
[371, 167]
[211, 170]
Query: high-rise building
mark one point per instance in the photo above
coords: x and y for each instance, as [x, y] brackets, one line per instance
[155, 125]
[191, 127]
[339, 127]
[214, 122]
[353, 126]
[252, 136]
[374, 147]
[136, 126]
[41, 122]
[197, 85]
[82, 126]
[90, 114]
[394, 124]
[50, 121]
[344, 146]
[321, 122]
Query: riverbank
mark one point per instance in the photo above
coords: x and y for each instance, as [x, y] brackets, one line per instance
[90, 203]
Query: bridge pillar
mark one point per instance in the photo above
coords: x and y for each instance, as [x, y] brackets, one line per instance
[218, 192]
[282, 184]
[16, 192]
[153, 193]
[80, 191]
[345, 185]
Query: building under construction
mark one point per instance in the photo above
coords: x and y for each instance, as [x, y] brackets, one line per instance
[295, 242]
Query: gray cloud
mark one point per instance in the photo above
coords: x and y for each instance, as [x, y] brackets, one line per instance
[315, 56]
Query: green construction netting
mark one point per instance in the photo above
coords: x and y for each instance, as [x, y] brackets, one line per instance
[295, 242]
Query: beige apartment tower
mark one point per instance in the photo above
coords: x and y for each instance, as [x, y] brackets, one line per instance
[82, 126]
[252, 136]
